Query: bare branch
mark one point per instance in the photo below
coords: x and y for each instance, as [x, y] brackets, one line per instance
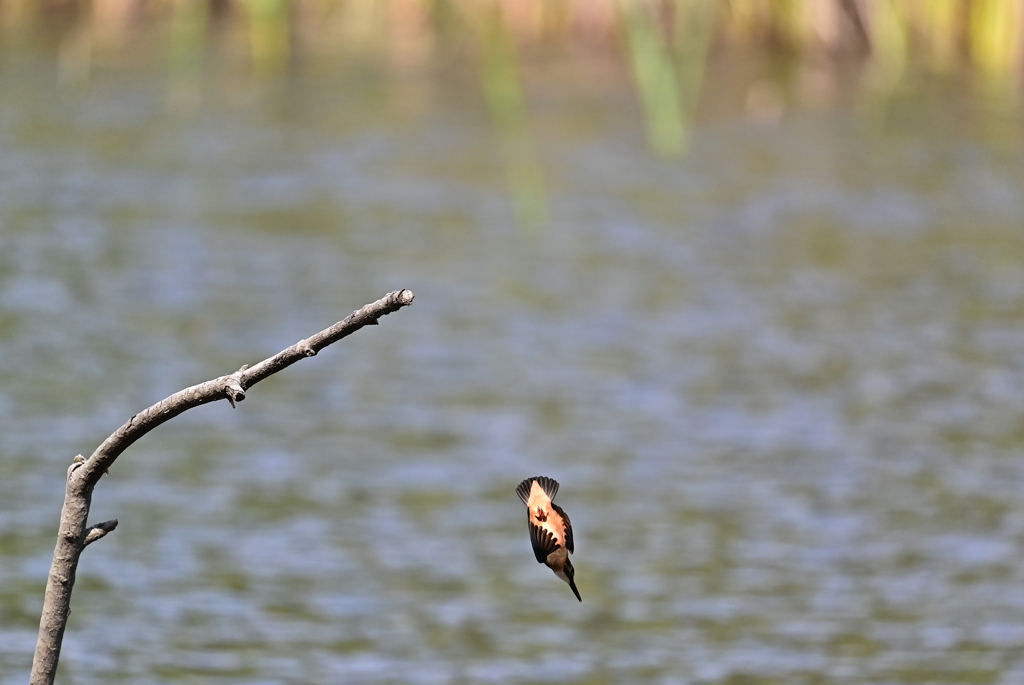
[83, 474]
[97, 531]
[233, 387]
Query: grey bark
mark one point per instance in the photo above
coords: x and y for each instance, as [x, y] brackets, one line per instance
[83, 474]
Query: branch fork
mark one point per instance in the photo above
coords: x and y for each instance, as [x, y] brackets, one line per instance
[233, 388]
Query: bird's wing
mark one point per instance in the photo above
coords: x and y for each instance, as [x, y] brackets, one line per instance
[568, 526]
[543, 541]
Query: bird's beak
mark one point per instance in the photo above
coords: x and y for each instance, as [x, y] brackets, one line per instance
[568, 574]
[572, 584]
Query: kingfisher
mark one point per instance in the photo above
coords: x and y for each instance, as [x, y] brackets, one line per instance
[550, 529]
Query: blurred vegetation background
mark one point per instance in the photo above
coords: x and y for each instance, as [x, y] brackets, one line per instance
[665, 44]
[274, 35]
[816, 52]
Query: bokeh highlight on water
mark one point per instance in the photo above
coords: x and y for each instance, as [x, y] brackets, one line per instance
[779, 381]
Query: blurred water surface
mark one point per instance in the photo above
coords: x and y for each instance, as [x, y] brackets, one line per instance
[780, 382]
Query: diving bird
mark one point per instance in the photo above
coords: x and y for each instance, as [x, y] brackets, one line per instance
[550, 529]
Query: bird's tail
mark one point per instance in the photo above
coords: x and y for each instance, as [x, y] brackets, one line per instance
[549, 485]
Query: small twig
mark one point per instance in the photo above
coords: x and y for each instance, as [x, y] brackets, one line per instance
[97, 531]
[83, 474]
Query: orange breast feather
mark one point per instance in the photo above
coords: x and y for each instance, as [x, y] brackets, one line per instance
[543, 514]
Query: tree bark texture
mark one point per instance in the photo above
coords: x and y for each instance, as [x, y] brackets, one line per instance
[75, 534]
